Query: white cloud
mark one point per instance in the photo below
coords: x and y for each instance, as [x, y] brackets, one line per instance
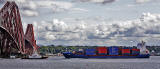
[147, 26]
[27, 7]
[25, 4]
[78, 10]
[30, 5]
[57, 6]
[18, 1]
[50, 36]
[29, 13]
[98, 1]
[84, 32]
[142, 1]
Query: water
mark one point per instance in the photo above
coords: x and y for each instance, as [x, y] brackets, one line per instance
[77, 63]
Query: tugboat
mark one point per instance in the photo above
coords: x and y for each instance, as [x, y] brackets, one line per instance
[111, 52]
[35, 55]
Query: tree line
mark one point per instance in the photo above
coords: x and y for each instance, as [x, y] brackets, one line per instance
[51, 49]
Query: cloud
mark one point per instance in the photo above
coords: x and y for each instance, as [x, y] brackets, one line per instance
[29, 13]
[147, 24]
[142, 1]
[133, 30]
[98, 1]
[25, 4]
[29, 5]
[57, 6]
[85, 31]
[59, 30]
[79, 10]
[32, 7]
[18, 1]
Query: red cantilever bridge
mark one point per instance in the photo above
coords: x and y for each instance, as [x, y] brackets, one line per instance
[12, 38]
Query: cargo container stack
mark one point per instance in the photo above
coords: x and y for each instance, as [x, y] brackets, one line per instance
[113, 50]
[120, 50]
[125, 51]
[102, 50]
[90, 52]
[108, 52]
[135, 51]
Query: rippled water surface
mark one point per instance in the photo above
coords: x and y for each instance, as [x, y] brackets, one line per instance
[76, 63]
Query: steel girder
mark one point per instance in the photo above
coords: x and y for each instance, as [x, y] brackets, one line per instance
[11, 28]
[29, 35]
[11, 31]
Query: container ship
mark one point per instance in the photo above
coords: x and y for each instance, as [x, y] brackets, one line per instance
[111, 52]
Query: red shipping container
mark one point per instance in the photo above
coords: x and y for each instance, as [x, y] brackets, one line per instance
[125, 51]
[102, 50]
[135, 49]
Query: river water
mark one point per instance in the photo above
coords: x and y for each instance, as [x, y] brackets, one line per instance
[76, 63]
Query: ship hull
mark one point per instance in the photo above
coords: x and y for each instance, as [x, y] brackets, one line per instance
[71, 55]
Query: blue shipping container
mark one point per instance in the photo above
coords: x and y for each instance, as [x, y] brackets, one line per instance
[113, 50]
[90, 51]
[127, 48]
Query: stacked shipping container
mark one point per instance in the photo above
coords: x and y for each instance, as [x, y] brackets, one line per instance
[125, 51]
[113, 50]
[90, 52]
[102, 50]
[135, 51]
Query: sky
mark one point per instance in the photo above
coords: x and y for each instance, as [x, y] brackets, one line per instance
[92, 22]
